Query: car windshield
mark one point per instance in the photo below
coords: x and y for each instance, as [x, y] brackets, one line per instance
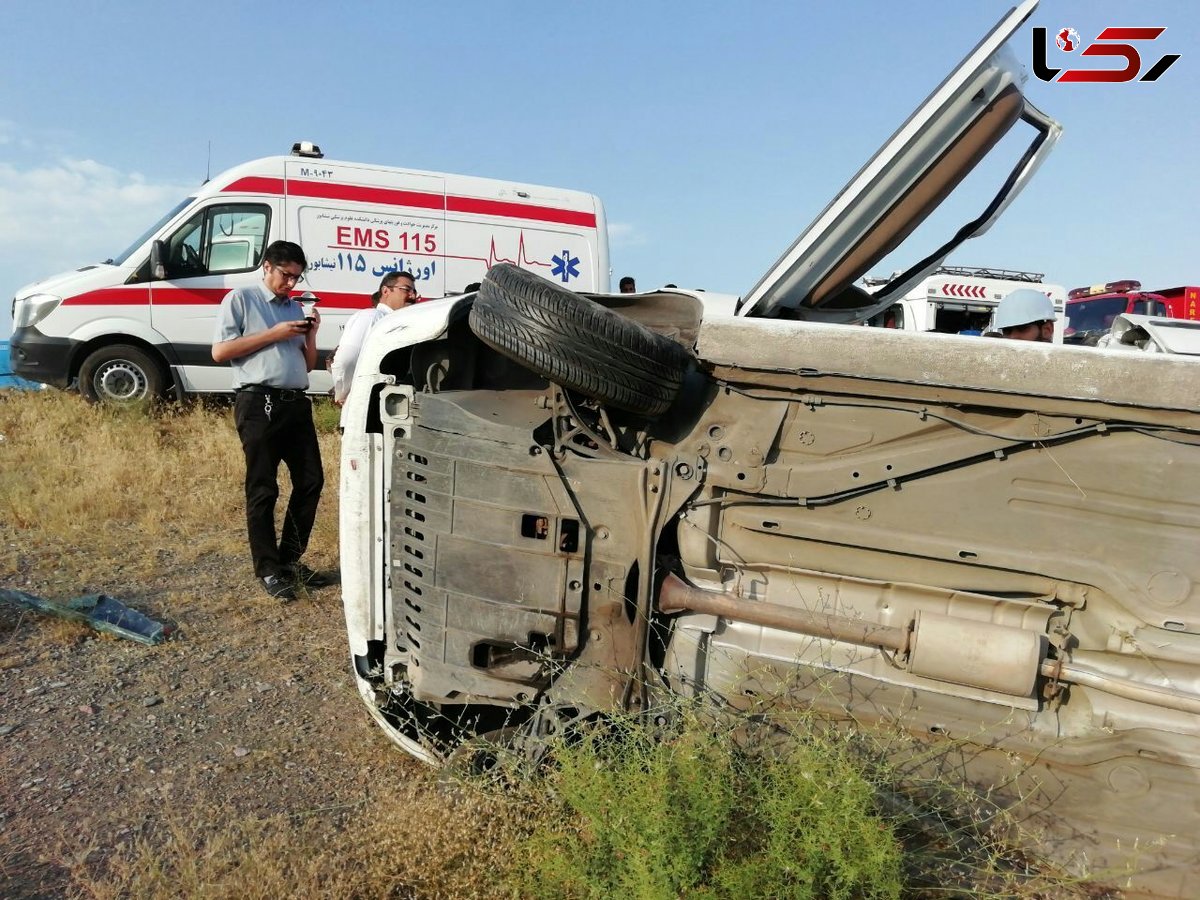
[150, 232]
[1094, 315]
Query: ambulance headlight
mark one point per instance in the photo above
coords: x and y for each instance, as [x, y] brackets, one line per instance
[27, 311]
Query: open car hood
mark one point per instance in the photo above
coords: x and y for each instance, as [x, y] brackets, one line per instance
[918, 167]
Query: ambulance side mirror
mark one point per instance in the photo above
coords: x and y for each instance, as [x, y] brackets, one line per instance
[158, 266]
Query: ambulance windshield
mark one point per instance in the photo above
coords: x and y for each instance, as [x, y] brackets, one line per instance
[150, 232]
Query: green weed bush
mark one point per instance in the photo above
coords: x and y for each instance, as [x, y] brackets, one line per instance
[695, 815]
[810, 829]
[326, 416]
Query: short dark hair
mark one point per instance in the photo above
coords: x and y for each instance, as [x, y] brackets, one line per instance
[282, 253]
[390, 279]
[627, 280]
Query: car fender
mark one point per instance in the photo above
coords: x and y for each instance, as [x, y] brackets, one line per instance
[361, 467]
[118, 326]
[403, 328]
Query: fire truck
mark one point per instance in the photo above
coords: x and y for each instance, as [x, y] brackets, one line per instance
[961, 300]
[1092, 310]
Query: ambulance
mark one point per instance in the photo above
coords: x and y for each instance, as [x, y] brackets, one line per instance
[140, 324]
[962, 300]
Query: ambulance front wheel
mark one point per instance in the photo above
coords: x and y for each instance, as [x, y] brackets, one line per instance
[121, 374]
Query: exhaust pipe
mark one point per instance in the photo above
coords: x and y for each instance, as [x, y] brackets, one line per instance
[943, 648]
[676, 595]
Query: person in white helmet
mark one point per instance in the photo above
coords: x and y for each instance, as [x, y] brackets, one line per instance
[1026, 315]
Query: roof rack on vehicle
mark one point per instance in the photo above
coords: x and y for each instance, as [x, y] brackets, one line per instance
[973, 272]
[871, 281]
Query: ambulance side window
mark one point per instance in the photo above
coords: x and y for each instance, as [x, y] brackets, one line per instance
[236, 236]
[229, 237]
[183, 249]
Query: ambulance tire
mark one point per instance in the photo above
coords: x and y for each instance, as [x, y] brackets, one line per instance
[121, 374]
[577, 343]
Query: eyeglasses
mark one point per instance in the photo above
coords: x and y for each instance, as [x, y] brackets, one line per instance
[403, 287]
[293, 277]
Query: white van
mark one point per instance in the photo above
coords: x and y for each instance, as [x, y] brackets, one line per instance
[959, 299]
[141, 323]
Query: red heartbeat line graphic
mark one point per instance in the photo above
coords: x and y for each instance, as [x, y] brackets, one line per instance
[493, 257]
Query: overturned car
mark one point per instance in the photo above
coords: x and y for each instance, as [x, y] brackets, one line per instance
[1152, 334]
[553, 506]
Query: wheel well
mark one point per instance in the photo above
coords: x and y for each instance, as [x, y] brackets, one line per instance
[84, 350]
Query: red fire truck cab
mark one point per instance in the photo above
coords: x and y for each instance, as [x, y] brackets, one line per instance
[1090, 310]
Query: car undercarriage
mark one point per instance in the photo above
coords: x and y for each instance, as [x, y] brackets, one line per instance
[1001, 560]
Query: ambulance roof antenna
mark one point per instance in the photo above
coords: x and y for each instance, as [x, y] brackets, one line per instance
[208, 165]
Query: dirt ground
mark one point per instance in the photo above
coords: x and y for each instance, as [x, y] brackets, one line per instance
[250, 712]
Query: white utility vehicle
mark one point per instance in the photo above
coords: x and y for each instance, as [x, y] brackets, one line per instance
[962, 300]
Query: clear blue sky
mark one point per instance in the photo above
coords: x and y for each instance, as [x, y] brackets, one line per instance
[714, 133]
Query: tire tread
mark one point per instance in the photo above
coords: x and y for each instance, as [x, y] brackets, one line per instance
[576, 342]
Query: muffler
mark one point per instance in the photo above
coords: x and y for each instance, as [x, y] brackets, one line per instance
[945, 648]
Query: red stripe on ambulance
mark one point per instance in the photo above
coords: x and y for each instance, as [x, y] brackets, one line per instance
[326, 190]
[520, 211]
[173, 296]
[115, 296]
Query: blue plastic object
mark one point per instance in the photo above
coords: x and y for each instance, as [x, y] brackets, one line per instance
[100, 611]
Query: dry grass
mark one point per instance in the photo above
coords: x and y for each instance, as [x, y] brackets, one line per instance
[116, 490]
[99, 468]
[421, 842]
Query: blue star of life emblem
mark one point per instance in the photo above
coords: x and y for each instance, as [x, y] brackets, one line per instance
[566, 265]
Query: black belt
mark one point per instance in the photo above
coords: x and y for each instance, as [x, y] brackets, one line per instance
[284, 394]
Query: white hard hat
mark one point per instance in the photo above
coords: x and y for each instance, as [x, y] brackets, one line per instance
[1023, 306]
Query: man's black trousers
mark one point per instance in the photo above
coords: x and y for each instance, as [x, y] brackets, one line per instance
[275, 430]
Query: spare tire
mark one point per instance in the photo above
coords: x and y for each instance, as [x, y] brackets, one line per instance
[578, 343]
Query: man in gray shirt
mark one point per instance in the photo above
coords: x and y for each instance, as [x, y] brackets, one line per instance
[263, 334]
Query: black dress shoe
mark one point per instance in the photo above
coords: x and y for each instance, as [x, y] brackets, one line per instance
[309, 578]
[279, 588]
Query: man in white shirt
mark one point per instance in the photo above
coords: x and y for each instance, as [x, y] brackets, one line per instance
[396, 291]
